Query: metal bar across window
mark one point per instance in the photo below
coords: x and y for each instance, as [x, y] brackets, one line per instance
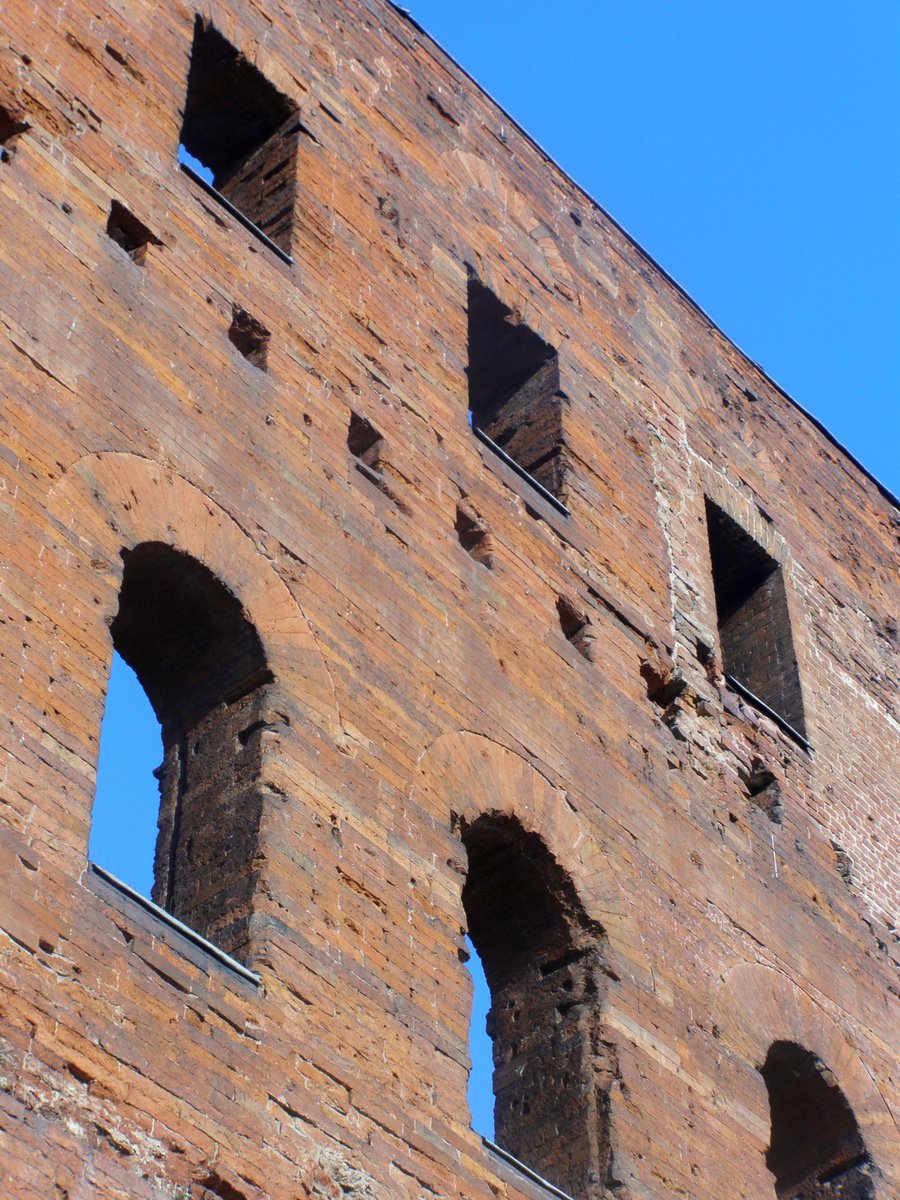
[520, 471]
[548, 1187]
[782, 724]
[237, 214]
[178, 926]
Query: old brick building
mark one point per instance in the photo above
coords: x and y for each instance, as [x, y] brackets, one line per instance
[478, 582]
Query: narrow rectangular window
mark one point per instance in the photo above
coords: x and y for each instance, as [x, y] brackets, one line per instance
[240, 135]
[514, 392]
[754, 622]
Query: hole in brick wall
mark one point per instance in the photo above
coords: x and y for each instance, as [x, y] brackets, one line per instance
[763, 789]
[576, 627]
[250, 337]
[843, 862]
[368, 448]
[241, 134]
[10, 129]
[129, 232]
[514, 392]
[816, 1148]
[754, 623]
[202, 667]
[474, 537]
[542, 963]
[364, 441]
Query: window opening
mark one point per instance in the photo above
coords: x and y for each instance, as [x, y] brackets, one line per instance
[576, 627]
[126, 802]
[543, 965]
[10, 129]
[481, 1092]
[515, 402]
[754, 623]
[194, 166]
[816, 1151]
[130, 233]
[474, 538]
[240, 136]
[250, 337]
[203, 669]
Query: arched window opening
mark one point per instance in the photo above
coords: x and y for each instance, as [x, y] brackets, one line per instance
[542, 959]
[816, 1150]
[203, 668]
[126, 802]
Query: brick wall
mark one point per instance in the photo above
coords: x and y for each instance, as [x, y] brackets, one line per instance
[414, 689]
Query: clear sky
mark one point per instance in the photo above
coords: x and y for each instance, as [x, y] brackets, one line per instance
[753, 149]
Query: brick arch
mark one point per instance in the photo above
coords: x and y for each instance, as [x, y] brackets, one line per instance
[756, 1005]
[109, 501]
[466, 775]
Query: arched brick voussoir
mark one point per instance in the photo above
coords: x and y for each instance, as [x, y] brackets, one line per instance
[464, 775]
[112, 501]
[756, 1005]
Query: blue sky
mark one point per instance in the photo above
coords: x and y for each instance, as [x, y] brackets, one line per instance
[754, 151]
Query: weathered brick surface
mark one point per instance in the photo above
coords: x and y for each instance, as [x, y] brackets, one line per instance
[413, 688]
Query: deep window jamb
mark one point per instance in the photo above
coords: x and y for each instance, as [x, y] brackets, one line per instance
[245, 134]
[758, 657]
[542, 960]
[515, 402]
[203, 668]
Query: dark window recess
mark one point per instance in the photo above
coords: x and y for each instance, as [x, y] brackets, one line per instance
[543, 963]
[202, 666]
[577, 627]
[816, 1151]
[131, 234]
[250, 337]
[10, 129]
[243, 132]
[754, 624]
[514, 393]
[474, 538]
